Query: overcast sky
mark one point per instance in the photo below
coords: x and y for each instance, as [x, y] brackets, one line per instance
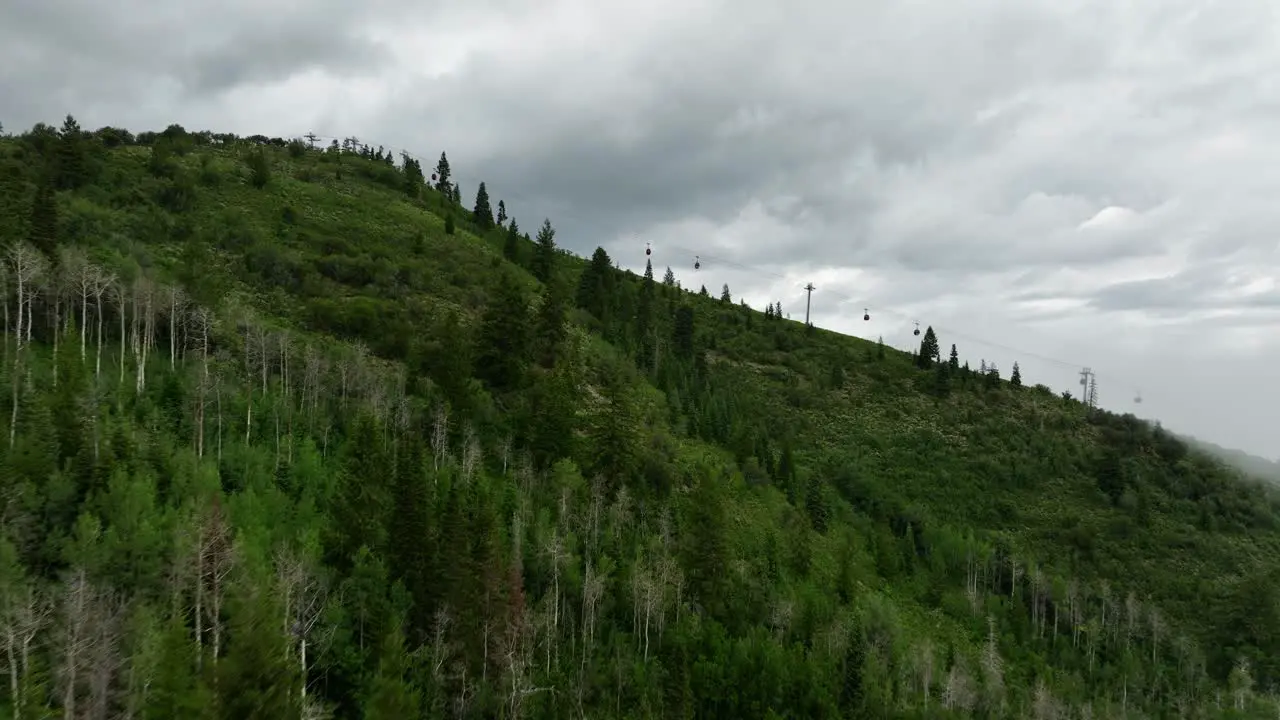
[1094, 183]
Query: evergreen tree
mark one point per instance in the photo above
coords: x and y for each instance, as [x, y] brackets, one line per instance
[443, 186]
[669, 279]
[44, 219]
[504, 337]
[682, 333]
[72, 171]
[724, 295]
[482, 214]
[544, 252]
[942, 380]
[555, 417]
[815, 504]
[502, 212]
[1016, 378]
[511, 245]
[413, 178]
[954, 361]
[550, 326]
[929, 351]
[597, 287]
[449, 226]
[392, 695]
[613, 435]
[645, 318]
[457, 193]
[880, 352]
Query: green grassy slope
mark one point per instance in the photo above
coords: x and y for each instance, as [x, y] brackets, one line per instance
[480, 476]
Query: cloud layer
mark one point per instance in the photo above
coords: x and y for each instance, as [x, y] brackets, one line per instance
[1089, 182]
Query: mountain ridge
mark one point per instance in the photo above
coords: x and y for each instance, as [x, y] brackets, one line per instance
[435, 415]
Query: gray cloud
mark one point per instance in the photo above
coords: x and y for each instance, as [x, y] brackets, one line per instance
[1093, 182]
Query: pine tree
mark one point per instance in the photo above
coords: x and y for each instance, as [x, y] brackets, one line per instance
[724, 295]
[511, 245]
[645, 317]
[596, 287]
[504, 338]
[1016, 378]
[550, 326]
[502, 212]
[544, 252]
[815, 504]
[44, 220]
[482, 214]
[669, 279]
[442, 177]
[929, 351]
[457, 193]
[72, 171]
[682, 333]
[413, 178]
[954, 361]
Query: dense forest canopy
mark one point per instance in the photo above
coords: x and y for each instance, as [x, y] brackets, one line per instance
[292, 431]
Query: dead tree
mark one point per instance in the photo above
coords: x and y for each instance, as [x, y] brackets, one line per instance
[177, 302]
[102, 283]
[26, 266]
[25, 613]
[215, 558]
[440, 436]
[303, 600]
[120, 294]
[143, 334]
[75, 623]
[83, 275]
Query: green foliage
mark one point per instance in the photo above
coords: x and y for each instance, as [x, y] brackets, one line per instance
[312, 406]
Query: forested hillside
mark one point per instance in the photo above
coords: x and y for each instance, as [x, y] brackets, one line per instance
[291, 432]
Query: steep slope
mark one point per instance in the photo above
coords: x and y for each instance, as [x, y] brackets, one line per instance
[282, 418]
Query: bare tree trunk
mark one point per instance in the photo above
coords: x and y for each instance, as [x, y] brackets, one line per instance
[27, 266]
[122, 304]
[102, 282]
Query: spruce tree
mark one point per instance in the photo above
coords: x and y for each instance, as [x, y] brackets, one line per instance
[72, 170]
[442, 177]
[1016, 378]
[413, 178]
[596, 287]
[505, 336]
[682, 332]
[929, 351]
[550, 326]
[457, 192]
[511, 245]
[954, 361]
[44, 219]
[544, 252]
[724, 295]
[502, 212]
[482, 214]
[645, 316]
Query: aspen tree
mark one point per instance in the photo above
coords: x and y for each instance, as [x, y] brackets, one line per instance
[26, 266]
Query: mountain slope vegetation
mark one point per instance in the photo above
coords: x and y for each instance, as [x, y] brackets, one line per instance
[293, 432]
